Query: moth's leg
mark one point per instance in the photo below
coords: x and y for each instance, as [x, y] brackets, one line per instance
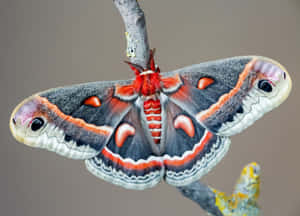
[243, 201]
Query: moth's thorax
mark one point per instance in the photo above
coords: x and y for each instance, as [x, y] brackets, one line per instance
[147, 83]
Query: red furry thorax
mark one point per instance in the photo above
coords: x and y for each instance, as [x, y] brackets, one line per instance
[147, 80]
[147, 84]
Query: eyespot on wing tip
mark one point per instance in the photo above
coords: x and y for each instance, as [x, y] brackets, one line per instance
[287, 78]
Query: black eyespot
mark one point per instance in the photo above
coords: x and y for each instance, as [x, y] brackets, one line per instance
[240, 110]
[265, 85]
[68, 138]
[37, 123]
[230, 118]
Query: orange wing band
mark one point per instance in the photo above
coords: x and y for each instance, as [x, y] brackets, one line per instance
[102, 130]
[224, 98]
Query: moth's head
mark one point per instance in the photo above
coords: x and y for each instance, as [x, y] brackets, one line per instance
[27, 122]
[147, 80]
[271, 82]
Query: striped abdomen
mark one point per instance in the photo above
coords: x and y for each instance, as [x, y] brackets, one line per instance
[152, 110]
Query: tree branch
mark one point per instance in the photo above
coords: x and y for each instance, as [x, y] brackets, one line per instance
[243, 201]
[202, 195]
[136, 32]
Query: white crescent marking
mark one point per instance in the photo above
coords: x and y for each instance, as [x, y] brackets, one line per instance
[123, 131]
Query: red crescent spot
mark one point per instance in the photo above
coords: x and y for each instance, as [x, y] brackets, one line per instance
[123, 131]
[186, 124]
[93, 101]
[204, 82]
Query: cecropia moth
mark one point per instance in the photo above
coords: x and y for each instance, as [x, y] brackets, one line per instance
[173, 126]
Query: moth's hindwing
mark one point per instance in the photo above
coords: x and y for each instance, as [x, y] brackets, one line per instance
[226, 96]
[191, 150]
[127, 159]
